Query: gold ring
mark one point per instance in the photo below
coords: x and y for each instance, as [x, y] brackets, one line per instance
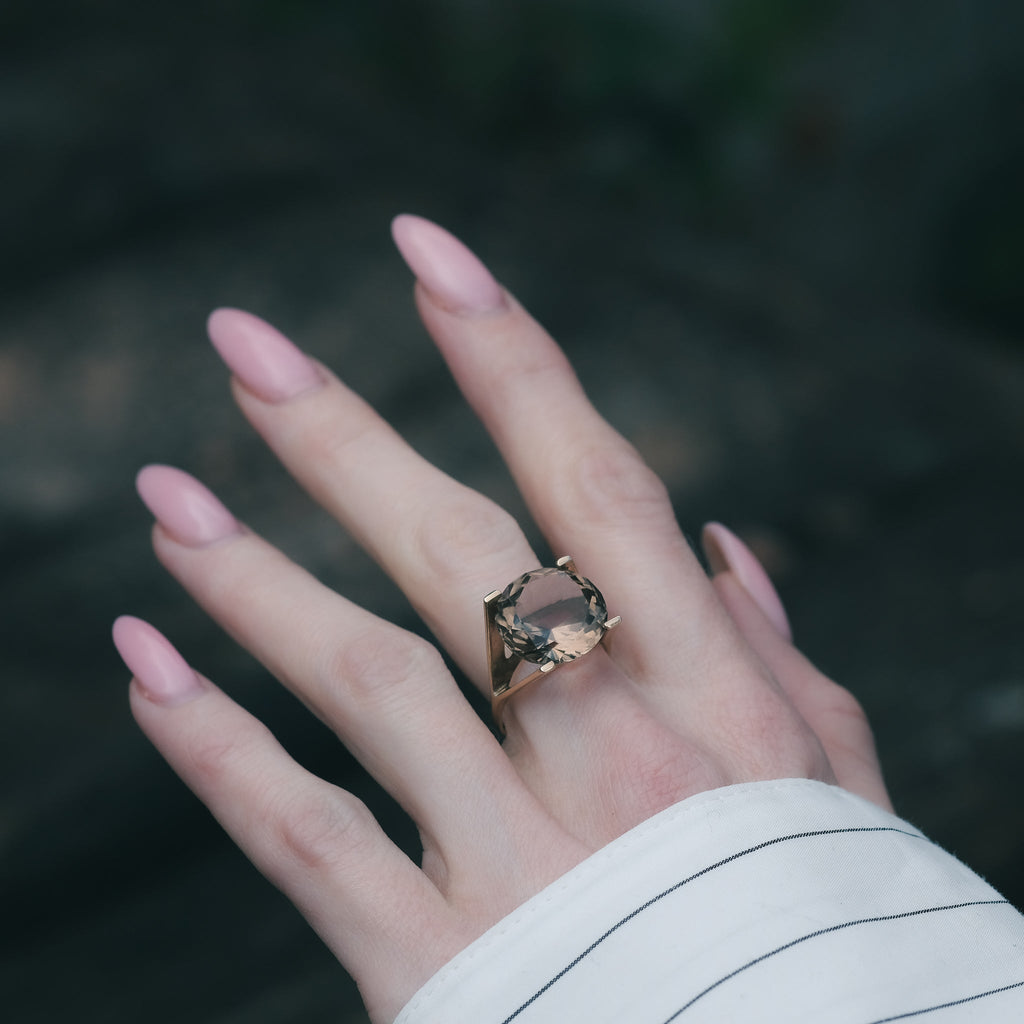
[543, 619]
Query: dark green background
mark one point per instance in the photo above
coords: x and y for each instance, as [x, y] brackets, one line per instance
[782, 241]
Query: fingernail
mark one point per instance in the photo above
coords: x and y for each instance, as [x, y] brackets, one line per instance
[727, 553]
[454, 276]
[262, 358]
[162, 673]
[184, 507]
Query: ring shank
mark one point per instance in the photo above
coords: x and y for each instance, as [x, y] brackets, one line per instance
[500, 697]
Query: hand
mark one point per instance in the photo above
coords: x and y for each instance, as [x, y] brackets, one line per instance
[699, 687]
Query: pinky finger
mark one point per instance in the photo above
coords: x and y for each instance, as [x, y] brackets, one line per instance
[319, 844]
[830, 710]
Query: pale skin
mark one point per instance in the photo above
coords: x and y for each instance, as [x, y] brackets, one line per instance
[699, 687]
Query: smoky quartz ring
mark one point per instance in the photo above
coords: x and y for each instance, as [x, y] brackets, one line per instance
[541, 620]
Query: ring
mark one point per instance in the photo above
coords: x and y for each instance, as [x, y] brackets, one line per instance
[543, 618]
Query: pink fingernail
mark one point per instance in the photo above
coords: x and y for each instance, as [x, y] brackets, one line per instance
[262, 358]
[453, 275]
[727, 553]
[184, 507]
[162, 673]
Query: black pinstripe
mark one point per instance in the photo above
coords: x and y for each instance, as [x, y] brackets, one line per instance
[828, 931]
[955, 1002]
[690, 878]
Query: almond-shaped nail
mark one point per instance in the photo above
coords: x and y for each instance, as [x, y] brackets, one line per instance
[261, 357]
[161, 672]
[727, 553]
[186, 509]
[452, 275]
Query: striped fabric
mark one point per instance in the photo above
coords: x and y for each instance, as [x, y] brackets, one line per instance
[785, 901]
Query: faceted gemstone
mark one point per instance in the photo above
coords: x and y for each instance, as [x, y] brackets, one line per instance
[550, 615]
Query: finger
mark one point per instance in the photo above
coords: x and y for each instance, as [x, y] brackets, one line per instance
[384, 691]
[319, 844]
[588, 489]
[445, 545]
[830, 710]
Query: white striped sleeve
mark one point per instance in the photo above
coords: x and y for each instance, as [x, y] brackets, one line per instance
[770, 902]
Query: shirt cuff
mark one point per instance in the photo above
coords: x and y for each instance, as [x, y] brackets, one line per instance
[769, 901]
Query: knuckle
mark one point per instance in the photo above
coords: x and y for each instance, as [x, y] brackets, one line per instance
[518, 367]
[216, 755]
[331, 442]
[211, 759]
[615, 485]
[468, 531]
[849, 727]
[775, 741]
[382, 667]
[766, 719]
[657, 783]
[808, 760]
[320, 830]
[656, 769]
[845, 706]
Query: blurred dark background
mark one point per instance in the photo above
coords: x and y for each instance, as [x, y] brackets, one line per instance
[781, 239]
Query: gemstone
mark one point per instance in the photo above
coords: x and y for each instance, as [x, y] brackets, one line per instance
[550, 615]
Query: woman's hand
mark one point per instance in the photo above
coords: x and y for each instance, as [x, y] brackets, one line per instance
[699, 687]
